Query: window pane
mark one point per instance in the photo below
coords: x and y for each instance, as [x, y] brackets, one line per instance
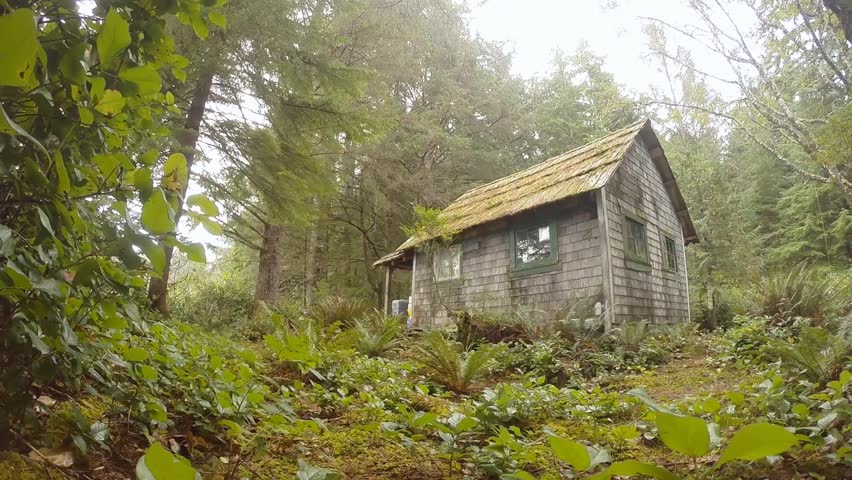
[532, 244]
[447, 263]
[671, 254]
[635, 239]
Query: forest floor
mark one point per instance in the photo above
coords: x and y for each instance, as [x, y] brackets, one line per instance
[389, 418]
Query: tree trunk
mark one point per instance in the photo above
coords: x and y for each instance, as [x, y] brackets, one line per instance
[310, 264]
[843, 10]
[158, 288]
[268, 283]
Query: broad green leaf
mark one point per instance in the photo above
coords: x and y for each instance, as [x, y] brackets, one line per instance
[204, 204]
[96, 92]
[19, 278]
[570, 452]
[71, 64]
[156, 255]
[175, 172]
[648, 401]
[309, 472]
[63, 182]
[224, 399]
[142, 179]
[136, 354]
[216, 18]
[686, 435]
[18, 47]
[45, 221]
[757, 441]
[86, 116]
[156, 213]
[148, 372]
[234, 428]
[801, 410]
[149, 157]
[9, 127]
[113, 37]
[213, 227]
[146, 79]
[194, 252]
[159, 464]
[111, 104]
[519, 475]
[628, 468]
[199, 26]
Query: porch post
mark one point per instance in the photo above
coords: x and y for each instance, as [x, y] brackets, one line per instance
[388, 275]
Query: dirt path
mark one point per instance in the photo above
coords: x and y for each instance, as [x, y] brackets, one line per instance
[689, 377]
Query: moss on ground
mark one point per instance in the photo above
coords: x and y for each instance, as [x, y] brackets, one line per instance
[15, 467]
[61, 424]
[682, 379]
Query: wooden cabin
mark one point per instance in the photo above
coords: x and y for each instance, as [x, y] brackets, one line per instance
[604, 223]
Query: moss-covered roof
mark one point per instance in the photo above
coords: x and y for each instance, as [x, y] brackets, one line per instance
[581, 170]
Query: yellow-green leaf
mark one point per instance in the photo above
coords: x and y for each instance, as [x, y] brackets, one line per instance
[18, 47]
[135, 354]
[146, 79]
[86, 116]
[686, 435]
[213, 227]
[199, 26]
[194, 252]
[216, 18]
[570, 452]
[63, 184]
[113, 37]
[111, 104]
[206, 205]
[148, 372]
[176, 172]
[757, 441]
[156, 214]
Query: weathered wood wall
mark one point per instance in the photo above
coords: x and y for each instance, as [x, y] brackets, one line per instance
[486, 284]
[658, 296]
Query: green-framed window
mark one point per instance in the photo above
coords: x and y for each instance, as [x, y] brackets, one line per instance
[446, 263]
[635, 240]
[535, 248]
[669, 254]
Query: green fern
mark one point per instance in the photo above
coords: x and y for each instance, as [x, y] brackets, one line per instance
[376, 334]
[340, 310]
[631, 334]
[818, 353]
[452, 366]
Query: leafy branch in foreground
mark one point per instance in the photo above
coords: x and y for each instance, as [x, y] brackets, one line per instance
[91, 183]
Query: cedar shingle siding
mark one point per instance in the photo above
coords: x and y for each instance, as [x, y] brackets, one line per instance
[588, 193]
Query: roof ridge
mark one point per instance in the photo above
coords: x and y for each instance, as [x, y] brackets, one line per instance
[637, 125]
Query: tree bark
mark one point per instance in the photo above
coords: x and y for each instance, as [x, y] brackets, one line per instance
[843, 10]
[310, 264]
[268, 284]
[158, 288]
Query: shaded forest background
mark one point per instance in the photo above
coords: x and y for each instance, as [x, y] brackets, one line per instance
[383, 106]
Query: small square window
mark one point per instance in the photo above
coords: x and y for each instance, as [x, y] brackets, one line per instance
[670, 254]
[532, 245]
[446, 263]
[635, 239]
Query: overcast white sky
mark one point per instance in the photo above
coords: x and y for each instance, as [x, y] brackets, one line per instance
[534, 29]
